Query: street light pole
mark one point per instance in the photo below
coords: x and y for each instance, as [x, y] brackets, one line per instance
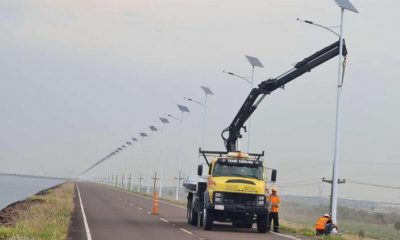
[152, 129]
[335, 174]
[254, 62]
[163, 121]
[249, 121]
[207, 91]
[143, 135]
[179, 158]
[183, 109]
[344, 5]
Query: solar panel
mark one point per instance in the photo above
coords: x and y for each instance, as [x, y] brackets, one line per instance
[164, 120]
[255, 62]
[207, 90]
[346, 4]
[183, 108]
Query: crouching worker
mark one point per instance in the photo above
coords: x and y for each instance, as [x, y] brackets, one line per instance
[324, 225]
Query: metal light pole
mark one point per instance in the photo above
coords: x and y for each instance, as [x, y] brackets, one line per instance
[183, 109]
[207, 91]
[131, 166]
[152, 129]
[143, 135]
[254, 62]
[344, 5]
[163, 121]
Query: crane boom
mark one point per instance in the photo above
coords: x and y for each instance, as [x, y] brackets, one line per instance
[266, 87]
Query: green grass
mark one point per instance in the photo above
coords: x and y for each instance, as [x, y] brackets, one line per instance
[48, 220]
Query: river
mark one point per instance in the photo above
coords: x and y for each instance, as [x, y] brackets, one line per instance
[15, 188]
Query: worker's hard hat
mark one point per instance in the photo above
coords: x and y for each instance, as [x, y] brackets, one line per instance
[327, 215]
[274, 189]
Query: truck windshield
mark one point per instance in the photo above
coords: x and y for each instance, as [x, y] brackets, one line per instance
[238, 168]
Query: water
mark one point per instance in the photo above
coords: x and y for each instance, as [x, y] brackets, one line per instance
[13, 188]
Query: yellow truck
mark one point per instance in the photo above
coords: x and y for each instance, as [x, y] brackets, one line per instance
[232, 190]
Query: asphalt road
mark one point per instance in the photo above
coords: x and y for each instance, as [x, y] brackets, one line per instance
[115, 214]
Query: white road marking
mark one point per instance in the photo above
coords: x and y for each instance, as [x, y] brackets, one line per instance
[287, 236]
[147, 197]
[131, 204]
[139, 208]
[164, 220]
[149, 213]
[88, 235]
[282, 235]
[186, 231]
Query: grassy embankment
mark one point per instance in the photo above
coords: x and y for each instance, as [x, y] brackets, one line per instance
[48, 218]
[352, 222]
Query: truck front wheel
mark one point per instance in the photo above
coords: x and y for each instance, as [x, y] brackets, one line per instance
[191, 213]
[207, 219]
[262, 221]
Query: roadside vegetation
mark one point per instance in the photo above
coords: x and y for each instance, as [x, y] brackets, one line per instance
[46, 216]
[353, 223]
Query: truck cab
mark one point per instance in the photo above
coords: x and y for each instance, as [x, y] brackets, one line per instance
[233, 191]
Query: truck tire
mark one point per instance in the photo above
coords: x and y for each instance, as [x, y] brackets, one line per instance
[262, 221]
[188, 209]
[207, 219]
[191, 213]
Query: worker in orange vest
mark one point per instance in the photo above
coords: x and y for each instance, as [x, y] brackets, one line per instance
[274, 200]
[324, 225]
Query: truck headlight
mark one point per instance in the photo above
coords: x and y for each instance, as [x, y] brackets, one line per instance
[260, 200]
[218, 197]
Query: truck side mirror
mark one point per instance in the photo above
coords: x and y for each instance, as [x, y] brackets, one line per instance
[200, 170]
[273, 175]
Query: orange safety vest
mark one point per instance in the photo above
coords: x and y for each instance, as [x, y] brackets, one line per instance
[274, 199]
[321, 223]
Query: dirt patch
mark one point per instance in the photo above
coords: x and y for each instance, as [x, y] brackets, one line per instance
[9, 215]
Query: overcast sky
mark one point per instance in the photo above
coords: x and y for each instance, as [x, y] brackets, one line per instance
[80, 77]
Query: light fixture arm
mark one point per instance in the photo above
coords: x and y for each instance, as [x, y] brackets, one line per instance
[241, 77]
[318, 25]
[195, 101]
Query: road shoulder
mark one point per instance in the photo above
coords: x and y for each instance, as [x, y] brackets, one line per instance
[76, 229]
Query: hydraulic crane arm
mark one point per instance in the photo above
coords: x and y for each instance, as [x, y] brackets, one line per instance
[266, 87]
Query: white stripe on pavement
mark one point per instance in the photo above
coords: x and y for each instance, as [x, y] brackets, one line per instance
[164, 220]
[88, 235]
[287, 236]
[147, 197]
[186, 231]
